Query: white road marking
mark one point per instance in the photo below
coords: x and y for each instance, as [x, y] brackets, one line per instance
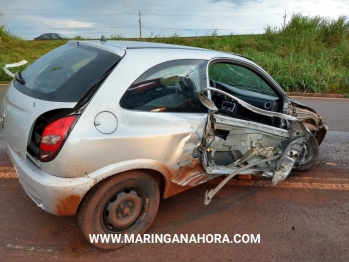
[331, 164]
[40, 250]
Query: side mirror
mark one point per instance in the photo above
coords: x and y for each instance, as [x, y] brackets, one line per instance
[206, 101]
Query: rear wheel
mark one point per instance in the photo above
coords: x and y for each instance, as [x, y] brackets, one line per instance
[124, 204]
[309, 155]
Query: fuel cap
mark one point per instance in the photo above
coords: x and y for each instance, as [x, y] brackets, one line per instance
[106, 122]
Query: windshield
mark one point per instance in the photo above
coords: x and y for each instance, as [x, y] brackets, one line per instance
[62, 36]
[236, 76]
[66, 73]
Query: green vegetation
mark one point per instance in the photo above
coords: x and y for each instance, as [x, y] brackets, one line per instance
[14, 49]
[311, 54]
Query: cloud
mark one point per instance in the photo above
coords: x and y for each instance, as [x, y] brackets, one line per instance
[68, 23]
[237, 3]
[186, 18]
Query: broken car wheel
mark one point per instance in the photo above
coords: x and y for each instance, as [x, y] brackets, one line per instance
[309, 155]
[123, 204]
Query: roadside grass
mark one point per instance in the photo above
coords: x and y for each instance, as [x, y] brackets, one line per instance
[311, 54]
[14, 49]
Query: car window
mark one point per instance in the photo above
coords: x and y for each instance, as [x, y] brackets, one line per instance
[168, 87]
[66, 73]
[237, 76]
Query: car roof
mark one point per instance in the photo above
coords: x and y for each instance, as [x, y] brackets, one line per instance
[124, 44]
[140, 45]
[136, 44]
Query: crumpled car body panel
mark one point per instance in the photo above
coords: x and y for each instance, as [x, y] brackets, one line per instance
[247, 147]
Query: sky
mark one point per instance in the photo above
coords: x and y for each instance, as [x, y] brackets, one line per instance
[91, 19]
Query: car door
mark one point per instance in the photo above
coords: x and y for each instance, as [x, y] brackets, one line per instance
[166, 96]
[54, 36]
[249, 83]
[247, 131]
[45, 37]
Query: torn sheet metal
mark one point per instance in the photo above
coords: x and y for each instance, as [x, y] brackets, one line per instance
[191, 175]
[287, 160]
[23, 62]
[310, 119]
[263, 149]
[284, 167]
[209, 195]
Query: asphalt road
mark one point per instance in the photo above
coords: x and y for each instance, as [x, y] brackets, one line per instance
[335, 111]
[305, 218]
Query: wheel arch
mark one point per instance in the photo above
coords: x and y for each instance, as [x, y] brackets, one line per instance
[160, 172]
[158, 177]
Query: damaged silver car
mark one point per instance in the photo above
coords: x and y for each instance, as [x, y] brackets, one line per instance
[102, 129]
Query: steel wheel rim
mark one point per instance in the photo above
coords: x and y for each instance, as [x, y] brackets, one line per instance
[124, 210]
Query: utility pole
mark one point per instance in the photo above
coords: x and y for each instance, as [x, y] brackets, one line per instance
[284, 19]
[2, 20]
[140, 24]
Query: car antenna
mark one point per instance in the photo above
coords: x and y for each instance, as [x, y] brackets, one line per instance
[103, 39]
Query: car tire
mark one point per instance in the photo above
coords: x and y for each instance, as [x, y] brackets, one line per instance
[126, 203]
[312, 155]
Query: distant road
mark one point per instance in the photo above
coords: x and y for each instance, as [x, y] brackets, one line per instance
[335, 111]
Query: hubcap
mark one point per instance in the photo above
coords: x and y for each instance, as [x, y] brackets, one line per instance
[123, 210]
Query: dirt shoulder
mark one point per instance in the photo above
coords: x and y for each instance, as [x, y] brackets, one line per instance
[315, 95]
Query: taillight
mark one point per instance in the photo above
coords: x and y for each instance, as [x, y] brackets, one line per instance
[54, 136]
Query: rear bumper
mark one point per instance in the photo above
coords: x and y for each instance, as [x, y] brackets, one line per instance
[56, 195]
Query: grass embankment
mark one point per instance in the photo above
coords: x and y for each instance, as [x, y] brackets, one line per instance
[308, 55]
[14, 49]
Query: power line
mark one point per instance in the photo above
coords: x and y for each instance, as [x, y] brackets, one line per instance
[144, 14]
[159, 10]
[63, 26]
[117, 27]
[230, 29]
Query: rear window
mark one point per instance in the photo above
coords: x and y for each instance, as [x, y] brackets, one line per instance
[66, 73]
